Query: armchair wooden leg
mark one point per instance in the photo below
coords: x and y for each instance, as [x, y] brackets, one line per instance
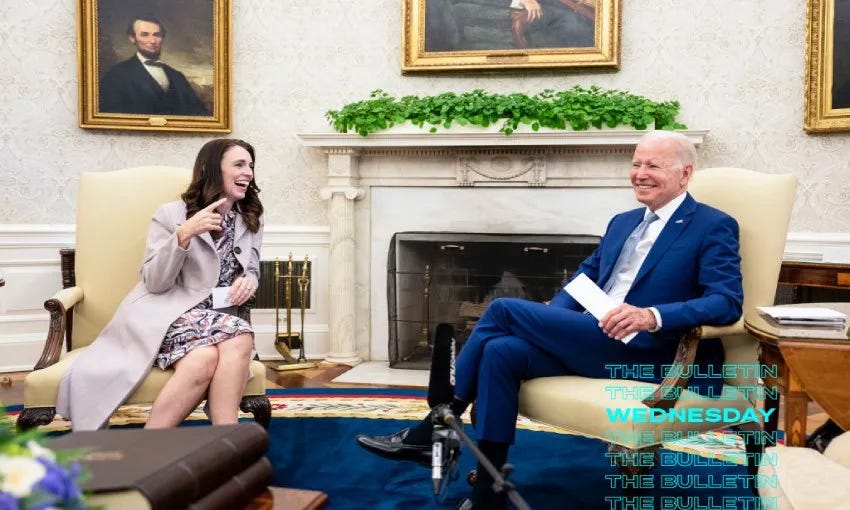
[754, 438]
[32, 417]
[633, 465]
[627, 462]
[259, 406]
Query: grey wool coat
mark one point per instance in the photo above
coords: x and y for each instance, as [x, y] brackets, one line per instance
[173, 280]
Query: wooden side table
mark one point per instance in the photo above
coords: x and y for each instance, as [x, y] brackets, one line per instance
[805, 275]
[808, 368]
[290, 499]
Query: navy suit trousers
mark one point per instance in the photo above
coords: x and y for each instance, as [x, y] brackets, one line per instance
[516, 340]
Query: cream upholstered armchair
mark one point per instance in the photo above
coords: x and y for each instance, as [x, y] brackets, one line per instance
[113, 214]
[761, 203]
[806, 479]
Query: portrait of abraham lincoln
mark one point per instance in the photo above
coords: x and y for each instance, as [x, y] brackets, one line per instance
[155, 57]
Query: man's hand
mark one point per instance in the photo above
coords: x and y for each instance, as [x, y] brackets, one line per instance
[205, 220]
[533, 9]
[241, 290]
[626, 319]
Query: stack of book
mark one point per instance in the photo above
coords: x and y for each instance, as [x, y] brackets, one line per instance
[202, 468]
[807, 322]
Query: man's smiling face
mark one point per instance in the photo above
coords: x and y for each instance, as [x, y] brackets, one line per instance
[657, 173]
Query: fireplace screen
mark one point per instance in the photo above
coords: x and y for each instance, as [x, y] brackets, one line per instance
[436, 277]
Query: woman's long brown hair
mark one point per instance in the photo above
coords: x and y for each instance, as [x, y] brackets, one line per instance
[207, 186]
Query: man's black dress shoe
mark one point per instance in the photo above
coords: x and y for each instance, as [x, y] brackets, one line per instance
[823, 435]
[392, 447]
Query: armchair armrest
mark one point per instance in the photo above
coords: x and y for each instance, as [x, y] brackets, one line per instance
[59, 305]
[730, 330]
[67, 297]
[666, 396]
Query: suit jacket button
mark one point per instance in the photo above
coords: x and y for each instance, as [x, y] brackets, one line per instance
[238, 250]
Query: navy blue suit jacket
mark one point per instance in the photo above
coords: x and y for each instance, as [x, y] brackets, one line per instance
[691, 275]
[129, 88]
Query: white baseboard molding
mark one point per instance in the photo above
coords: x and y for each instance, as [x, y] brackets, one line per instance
[818, 247]
[20, 352]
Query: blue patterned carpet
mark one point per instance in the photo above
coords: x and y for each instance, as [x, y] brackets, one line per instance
[312, 447]
[552, 470]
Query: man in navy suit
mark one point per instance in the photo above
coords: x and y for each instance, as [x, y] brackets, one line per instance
[672, 265]
[143, 84]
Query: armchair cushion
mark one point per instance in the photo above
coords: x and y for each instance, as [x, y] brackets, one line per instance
[804, 479]
[41, 387]
[839, 450]
[585, 406]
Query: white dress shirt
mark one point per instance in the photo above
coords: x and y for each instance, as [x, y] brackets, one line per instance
[156, 72]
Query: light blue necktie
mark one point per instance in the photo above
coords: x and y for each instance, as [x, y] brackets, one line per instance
[629, 254]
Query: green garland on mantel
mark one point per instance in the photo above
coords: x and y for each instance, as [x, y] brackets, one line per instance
[579, 108]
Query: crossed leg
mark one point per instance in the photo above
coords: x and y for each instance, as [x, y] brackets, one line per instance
[219, 371]
[231, 376]
[192, 375]
[516, 340]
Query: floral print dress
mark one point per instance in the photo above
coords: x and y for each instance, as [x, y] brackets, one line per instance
[202, 325]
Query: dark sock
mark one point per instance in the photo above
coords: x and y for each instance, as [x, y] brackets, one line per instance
[482, 492]
[420, 433]
[440, 388]
[458, 406]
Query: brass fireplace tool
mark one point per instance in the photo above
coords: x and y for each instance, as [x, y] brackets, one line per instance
[285, 342]
[422, 349]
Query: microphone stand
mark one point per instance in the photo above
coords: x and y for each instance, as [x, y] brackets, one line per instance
[443, 414]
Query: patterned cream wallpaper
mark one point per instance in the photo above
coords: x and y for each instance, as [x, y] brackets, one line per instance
[736, 67]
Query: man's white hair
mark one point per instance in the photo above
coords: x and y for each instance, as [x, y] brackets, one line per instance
[687, 151]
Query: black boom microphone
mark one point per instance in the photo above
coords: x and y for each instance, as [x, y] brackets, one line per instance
[445, 448]
[441, 380]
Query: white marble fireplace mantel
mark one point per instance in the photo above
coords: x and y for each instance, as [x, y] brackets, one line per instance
[472, 137]
[426, 181]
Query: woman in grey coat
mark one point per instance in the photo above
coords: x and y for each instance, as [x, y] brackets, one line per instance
[210, 238]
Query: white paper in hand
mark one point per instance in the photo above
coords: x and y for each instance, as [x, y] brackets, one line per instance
[592, 298]
[221, 298]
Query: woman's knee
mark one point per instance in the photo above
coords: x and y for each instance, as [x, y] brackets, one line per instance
[236, 348]
[200, 363]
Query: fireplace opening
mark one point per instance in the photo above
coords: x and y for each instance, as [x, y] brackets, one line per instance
[435, 277]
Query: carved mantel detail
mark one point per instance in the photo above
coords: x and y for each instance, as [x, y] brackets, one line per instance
[501, 168]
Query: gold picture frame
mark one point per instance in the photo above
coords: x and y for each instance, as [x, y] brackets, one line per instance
[827, 95]
[130, 81]
[451, 35]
